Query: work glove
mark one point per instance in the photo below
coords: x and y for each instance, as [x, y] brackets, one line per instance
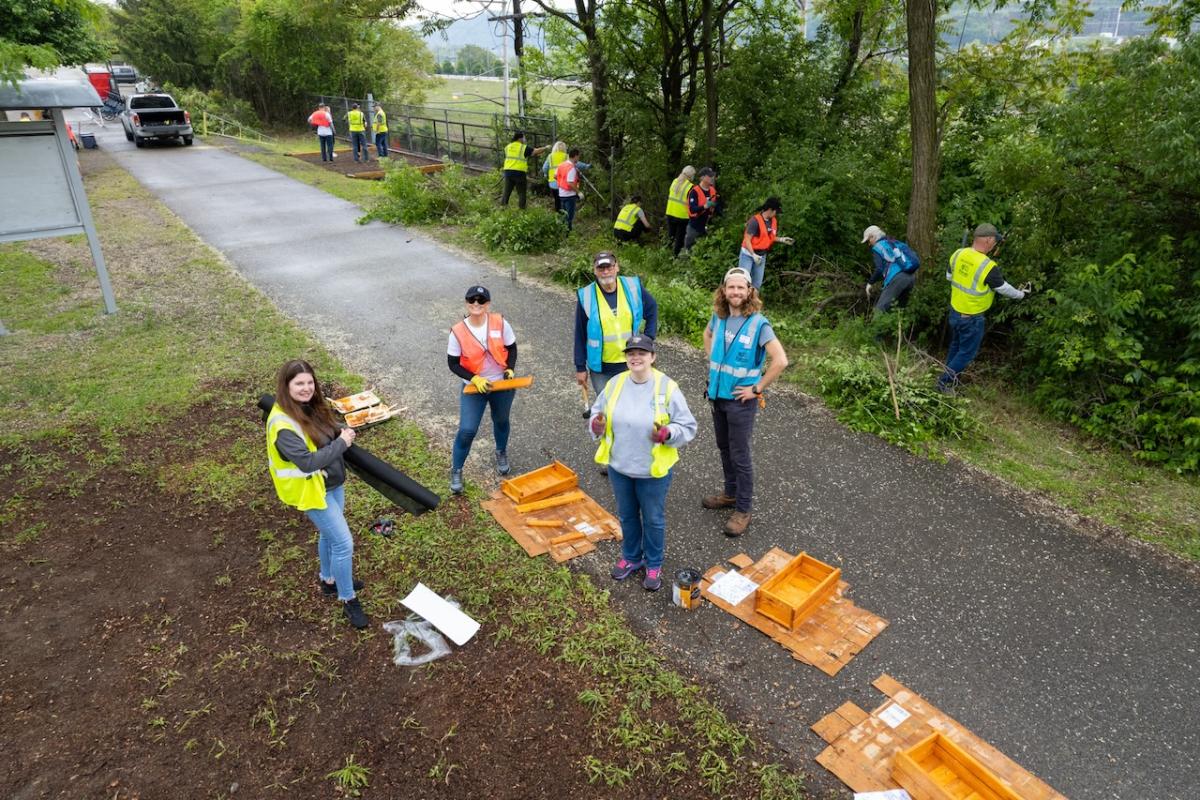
[868, 291]
[661, 434]
[480, 383]
[598, 425]
[509, 374]
[757, 259]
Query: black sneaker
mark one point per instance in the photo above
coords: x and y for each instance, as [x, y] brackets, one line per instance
[330, 589]
[502, 465]
[354, 612]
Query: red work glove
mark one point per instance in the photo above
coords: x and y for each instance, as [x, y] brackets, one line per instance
[598, 424]
[661, 434]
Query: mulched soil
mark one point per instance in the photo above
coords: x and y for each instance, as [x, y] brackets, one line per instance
[144, 654]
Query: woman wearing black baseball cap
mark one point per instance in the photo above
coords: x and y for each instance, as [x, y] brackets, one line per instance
[482, 348]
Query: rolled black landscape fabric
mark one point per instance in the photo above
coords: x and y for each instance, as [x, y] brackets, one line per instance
[378, 474]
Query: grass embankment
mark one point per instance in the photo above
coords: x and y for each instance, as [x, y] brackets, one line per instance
[160, 395]
[1010, 438]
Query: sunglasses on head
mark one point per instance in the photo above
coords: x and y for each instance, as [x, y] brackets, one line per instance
[478, 299]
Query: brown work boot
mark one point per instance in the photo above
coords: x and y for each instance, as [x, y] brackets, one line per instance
[738, 522]
[716, 501]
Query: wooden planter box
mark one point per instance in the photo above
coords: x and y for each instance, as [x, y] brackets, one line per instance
[938, 769]
[541, 483]
[797, 590]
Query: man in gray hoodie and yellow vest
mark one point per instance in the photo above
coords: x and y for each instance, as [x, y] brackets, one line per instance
[974, 281]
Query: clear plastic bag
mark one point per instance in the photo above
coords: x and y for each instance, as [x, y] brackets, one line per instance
[415, 627]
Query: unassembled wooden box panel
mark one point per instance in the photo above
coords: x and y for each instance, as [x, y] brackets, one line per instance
[937, 769]
[797, 590]
[541, 483]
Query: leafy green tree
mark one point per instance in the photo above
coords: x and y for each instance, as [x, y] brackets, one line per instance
[474, 60]
[48, 33]
[176, 41]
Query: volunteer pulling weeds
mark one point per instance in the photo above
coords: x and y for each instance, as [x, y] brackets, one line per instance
[304, 449]
[641, 419]
[482, 348]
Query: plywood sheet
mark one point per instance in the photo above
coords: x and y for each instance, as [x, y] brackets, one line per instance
[831, 636]
[861, 754]
[584, 515]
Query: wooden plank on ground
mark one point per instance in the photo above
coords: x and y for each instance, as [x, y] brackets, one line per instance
[863, 753]
[828, 639]
[582, 515]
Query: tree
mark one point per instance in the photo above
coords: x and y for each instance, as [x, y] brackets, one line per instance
[474, 60]
[48, 33]
[923, 124]
[176, 41]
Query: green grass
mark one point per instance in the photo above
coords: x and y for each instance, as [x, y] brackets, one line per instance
[467, 94]
[179, 340]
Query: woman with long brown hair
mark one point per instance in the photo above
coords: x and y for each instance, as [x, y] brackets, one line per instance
[305, 446]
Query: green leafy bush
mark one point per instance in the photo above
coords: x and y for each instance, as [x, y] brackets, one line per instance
[855, 384]
[534, 230]
[410, 197]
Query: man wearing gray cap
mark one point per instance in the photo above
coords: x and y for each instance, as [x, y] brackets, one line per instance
[702, 204]
[974, 281]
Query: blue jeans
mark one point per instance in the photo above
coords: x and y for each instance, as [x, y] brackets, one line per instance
[642, 509]
[326, 147]
[966, 334]
[756, 270]
[358, 140]
[470, 414]
[600, 380]
[335, 545]
[381, 145]
[568, 207]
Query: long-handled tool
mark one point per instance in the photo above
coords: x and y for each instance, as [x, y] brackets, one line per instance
[587, 405]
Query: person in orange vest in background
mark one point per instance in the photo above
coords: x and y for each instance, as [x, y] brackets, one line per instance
[567, 178]
[482, 348]
[322, 120]
[702, 204]
[761, 232]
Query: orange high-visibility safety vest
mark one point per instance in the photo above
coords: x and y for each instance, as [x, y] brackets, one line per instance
[320, 119]
[702, 198]
[472, 351]
[767, 230]
[560, 175]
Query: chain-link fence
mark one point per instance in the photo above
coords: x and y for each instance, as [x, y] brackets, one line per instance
[475, 138]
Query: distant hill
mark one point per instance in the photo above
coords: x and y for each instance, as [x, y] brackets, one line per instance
[477, 31]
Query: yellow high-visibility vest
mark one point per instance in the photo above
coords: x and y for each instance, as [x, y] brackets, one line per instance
[514, 157]
[380, 121]
[627, 217]
[556, 158]
[677, 200]
[969, 269]
[302, 490]
[662, 456]
[357, 120]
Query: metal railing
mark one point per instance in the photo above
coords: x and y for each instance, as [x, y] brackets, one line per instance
[474, 138]
[216, 125]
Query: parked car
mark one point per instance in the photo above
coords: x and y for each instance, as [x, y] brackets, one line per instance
[124, 73]
[155, 116]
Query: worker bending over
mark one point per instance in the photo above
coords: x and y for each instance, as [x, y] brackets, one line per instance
[631, 223]
[895, 264]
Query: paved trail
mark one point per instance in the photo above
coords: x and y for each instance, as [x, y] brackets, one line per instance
[1074, 658]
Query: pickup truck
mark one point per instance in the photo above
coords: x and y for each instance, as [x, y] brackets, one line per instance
[155, 116]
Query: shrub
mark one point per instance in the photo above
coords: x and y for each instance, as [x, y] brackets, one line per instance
[855, 384]
[534, 230]
[410, 197]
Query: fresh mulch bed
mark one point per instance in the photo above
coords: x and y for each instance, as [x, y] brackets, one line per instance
[145, 654]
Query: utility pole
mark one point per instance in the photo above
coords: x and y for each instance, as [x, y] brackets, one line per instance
[518, 20]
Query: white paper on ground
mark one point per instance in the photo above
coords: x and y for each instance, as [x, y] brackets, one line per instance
[890, 794]
[893, 715]
[441, 614]
[733, 587]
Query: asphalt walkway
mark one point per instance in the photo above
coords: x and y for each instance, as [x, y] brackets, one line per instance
[1076, 656]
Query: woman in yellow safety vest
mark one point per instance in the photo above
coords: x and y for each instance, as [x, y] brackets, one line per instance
[304, 451]
[641, 419]
[677, 207]
[482, 348]
[631, 223]
[558, 154]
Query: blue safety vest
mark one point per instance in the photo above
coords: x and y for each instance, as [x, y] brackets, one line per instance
[741, 365]
[589, 296]
[894, 257]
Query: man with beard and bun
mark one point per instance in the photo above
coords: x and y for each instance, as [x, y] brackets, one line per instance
[738, 340]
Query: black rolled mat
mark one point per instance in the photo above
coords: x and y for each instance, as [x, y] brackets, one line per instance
[378, 474]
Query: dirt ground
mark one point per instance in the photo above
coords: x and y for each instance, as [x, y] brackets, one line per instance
[346, 165]
[146, 653]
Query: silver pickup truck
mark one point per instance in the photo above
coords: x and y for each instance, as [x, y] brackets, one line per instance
[155, 116]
